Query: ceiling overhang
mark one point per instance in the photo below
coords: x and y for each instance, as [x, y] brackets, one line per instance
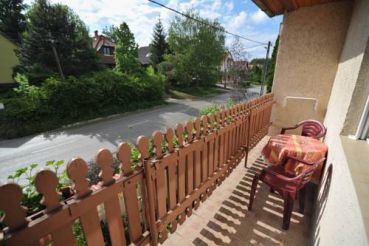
[278, 7]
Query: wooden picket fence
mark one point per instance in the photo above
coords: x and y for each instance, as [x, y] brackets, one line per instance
[157, 196]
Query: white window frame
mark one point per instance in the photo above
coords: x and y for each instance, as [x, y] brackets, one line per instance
[362, 131]
[105, 48]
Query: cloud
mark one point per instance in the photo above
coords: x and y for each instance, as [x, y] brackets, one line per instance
[239, 20]
[141, 16]
[229, 5]
[259, 16]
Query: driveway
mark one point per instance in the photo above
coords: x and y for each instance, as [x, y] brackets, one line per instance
[84, 141]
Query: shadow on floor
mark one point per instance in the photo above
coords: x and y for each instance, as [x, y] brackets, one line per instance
[232, 224]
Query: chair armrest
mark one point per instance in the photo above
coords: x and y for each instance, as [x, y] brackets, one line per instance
[284, 178]
[284, 129]
[304, 161]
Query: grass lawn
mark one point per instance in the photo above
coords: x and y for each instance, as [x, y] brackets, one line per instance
[194, 92]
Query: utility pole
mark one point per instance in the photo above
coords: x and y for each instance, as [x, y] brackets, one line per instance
[52, 41]
[265, 70]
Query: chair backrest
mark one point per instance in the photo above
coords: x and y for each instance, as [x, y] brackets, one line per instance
[313, 128]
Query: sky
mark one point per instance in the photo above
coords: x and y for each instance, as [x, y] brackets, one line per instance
[242, 17]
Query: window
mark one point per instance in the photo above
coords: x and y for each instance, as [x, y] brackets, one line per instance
[107, 51]
[363, 128]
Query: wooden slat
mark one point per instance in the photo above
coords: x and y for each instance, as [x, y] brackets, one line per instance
[133, 212]
[211, 156]
[197, 163]
[104, 160]
[216, 154]
[114, 219]
[181, 174]
[172, 177]
[161, 189]
[91, 227]
[64, 236]
[205, 160]
[142, 145]
[190, 157]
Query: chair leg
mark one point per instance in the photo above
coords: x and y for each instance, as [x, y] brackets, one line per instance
[253, 189]
[302, 195]
[287, 212]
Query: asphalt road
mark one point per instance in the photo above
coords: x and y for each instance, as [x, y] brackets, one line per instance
[84, 141]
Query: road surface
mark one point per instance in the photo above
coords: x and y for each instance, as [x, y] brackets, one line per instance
[84, 141]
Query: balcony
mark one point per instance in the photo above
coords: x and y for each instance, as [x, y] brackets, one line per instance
[193, 186]
[224, 220]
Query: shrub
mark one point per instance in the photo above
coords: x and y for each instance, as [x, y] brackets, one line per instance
[211, 109]
[56, 102]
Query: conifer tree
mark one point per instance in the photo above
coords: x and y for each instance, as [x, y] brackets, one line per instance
[12, 20]
[270, 74]
[159, 45]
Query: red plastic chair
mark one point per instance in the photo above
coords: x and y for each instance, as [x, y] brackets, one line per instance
[310, 128]
[286, 184]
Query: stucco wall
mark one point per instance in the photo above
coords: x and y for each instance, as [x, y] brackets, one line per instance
[310, 46]
[7, 61]
[340, 221]
[360, 95]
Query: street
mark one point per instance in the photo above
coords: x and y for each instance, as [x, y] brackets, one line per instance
[84, 141]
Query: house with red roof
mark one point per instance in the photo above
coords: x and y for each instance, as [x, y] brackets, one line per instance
[105, 48]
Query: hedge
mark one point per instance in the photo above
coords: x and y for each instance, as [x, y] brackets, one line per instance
[34, 109]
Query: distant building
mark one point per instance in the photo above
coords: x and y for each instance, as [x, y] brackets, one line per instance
[8, 60]
[226, 67]
[144, 55]
[242, 65]
[105, 48]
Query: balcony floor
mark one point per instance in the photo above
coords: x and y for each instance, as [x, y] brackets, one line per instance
[223, 218]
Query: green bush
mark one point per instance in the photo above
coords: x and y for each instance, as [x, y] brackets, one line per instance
[56, 102]
[211, 109]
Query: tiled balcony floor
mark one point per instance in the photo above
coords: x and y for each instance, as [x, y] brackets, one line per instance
[223, 218]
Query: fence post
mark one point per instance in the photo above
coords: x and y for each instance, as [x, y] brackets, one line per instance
[248, 135]
[142, 144]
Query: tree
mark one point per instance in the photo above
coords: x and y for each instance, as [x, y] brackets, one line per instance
[270, 74]
[239, 68]
[126, 50]
[108, 31]
[159, 45]
[12, 20]
[54, 26]
[198, 49]
[238, 50]
[256, 74]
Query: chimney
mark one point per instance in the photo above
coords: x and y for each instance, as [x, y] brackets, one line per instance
[96, 33]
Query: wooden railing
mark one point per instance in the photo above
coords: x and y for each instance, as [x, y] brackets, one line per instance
[143, 205]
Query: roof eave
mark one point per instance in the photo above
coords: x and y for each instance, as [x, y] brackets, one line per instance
[264, 8]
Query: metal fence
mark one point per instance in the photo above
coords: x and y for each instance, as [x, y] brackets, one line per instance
[143, 205]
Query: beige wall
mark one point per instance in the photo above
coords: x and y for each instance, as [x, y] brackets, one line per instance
[8, 60]
[359, 96]
[310, 46]
[340, 221]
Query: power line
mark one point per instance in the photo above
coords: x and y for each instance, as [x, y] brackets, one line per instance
[204, 23]
[255, 46]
